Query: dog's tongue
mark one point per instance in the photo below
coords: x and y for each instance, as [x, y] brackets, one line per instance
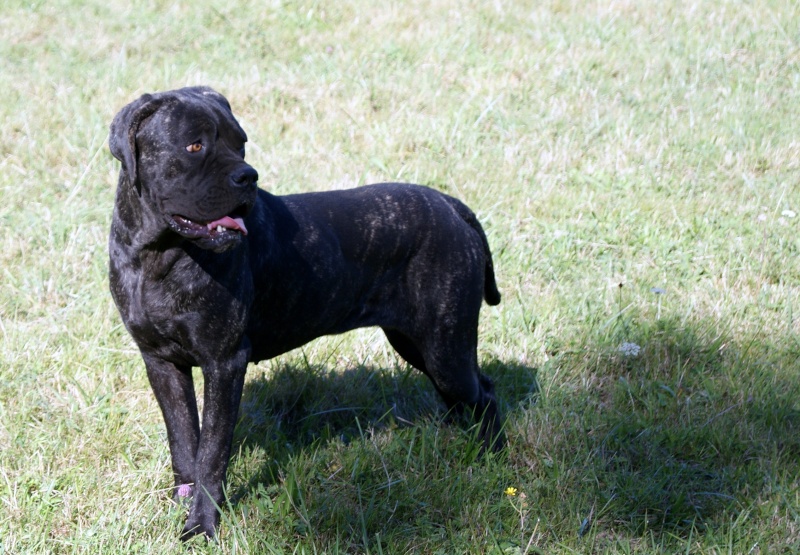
[230, 223]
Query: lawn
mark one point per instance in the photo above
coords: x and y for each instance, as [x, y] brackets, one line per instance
[636, 166]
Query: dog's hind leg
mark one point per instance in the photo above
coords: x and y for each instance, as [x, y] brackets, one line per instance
[406, 348]
[174, 391]
[450, 361]
[452, 365]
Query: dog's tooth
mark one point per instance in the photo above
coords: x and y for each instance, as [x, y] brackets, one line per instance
[220, 229]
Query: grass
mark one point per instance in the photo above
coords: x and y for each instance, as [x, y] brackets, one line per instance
[611, 149]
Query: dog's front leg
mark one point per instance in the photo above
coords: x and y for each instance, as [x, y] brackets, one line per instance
[223, 392]
[174, 390]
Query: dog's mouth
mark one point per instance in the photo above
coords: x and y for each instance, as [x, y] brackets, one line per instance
[194, 230]
[228, 226]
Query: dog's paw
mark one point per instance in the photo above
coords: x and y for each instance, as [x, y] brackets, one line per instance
[197, 528]
[200, 521]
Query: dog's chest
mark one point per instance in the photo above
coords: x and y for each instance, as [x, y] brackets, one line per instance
[183, 315]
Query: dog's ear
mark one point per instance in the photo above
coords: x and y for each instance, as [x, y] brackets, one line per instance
[122, 135]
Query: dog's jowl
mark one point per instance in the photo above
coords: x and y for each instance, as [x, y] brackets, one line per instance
[208, 270]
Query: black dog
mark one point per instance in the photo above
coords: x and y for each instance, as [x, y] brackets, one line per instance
[207, 270]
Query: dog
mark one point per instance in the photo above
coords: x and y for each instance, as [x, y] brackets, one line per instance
[208, 270]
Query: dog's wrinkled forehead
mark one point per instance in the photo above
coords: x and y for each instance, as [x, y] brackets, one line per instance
[191, 117]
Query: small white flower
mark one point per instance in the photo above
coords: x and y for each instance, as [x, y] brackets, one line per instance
[789, 213]
[629, 349]
[762, 217]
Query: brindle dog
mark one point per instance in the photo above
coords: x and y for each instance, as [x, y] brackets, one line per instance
[208, 270]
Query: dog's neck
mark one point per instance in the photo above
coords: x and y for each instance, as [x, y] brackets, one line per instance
[134, 226]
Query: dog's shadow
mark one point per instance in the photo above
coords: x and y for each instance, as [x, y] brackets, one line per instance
[291, 407]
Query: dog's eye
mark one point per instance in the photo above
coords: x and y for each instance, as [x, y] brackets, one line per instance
[194, 147]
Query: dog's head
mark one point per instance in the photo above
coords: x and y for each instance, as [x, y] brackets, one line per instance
[183, 153]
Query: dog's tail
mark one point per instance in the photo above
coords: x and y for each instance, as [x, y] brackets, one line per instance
[490, 291]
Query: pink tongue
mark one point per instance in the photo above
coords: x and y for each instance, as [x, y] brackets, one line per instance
[230, 223]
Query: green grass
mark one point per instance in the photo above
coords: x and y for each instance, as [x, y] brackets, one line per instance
[608, 147]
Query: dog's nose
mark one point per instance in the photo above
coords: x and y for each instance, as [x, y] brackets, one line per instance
[244, 177]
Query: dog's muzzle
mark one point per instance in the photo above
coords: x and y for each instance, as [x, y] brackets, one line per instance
[224, 231]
